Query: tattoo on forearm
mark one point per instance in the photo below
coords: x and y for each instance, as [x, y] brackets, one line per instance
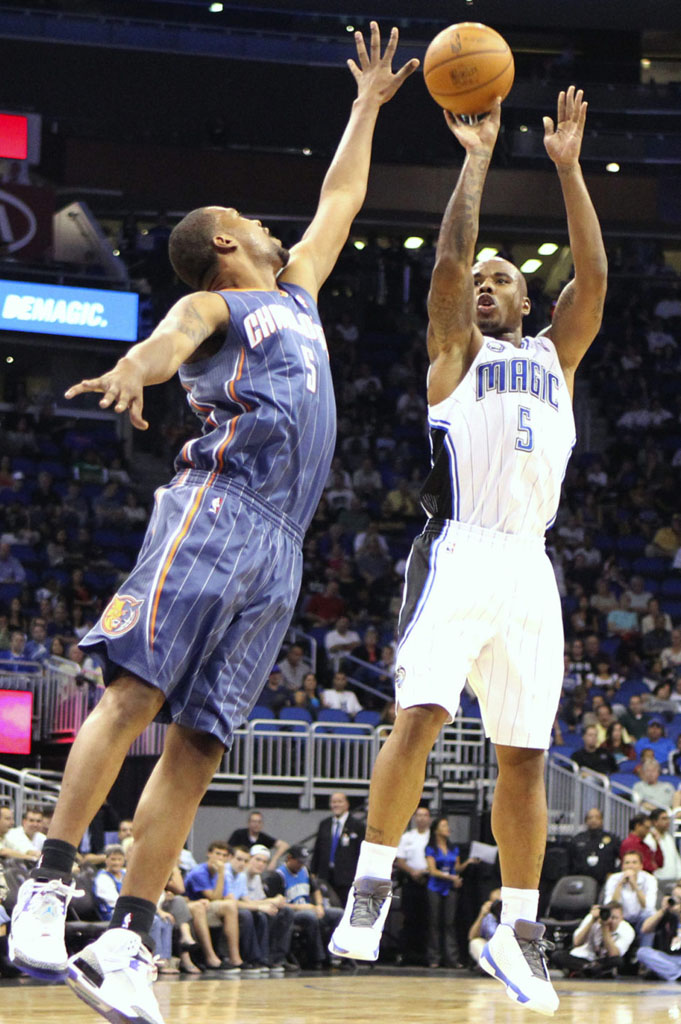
[373, 835]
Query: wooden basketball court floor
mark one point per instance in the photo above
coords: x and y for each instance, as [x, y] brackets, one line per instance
[382, 995]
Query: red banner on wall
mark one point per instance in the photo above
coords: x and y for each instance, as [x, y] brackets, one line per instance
[25, 221]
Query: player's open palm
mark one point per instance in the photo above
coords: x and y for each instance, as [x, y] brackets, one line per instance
[476, 136]
[564, 141]
[121, 387]
[372, 72]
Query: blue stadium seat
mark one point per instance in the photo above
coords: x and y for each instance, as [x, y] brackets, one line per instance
[9, 591]
[671, 587]
[260, 711]
[629, 688]
[295, 715]
[332, 715]
[657, 568]
[672, 608]
[368, 718]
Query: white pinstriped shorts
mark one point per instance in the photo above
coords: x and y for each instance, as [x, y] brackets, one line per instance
[482, 605]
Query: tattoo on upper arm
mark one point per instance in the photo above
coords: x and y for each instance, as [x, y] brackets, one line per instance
[190, 323]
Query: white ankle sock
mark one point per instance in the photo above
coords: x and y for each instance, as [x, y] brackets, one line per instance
[518, 904]
[375, 861]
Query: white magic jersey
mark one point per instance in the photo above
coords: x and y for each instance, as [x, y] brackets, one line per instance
[501, 441]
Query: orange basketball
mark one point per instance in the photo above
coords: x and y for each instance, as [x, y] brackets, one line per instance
[467, 66]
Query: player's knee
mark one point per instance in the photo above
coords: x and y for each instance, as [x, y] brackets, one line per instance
[520, 763]
[131, 699]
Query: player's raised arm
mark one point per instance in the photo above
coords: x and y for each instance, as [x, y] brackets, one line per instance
[345, 184]
[579, 310]
[190, 322]
[451, 309]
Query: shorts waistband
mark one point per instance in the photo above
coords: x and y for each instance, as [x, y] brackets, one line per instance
[194, 477]
[494, 538]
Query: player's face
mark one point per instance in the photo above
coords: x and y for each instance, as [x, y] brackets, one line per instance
[500, 297]
[255, 239]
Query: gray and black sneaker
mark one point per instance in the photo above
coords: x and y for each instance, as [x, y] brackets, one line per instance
[358, 933]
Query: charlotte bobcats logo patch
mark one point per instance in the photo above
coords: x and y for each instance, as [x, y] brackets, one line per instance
[215, 506]
[121, 614]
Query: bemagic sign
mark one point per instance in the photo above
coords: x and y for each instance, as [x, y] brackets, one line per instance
[75, 312]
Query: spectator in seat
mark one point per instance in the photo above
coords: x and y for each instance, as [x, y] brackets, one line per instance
[635, 718]
[27, 837]
[649, 620]
[339, 697]
[594, 851]
[650, 791]
[660, 701]
[622, 621]
[661, 837]
[485, 925]
[15, 659]
[309, 696]
[304, 897]
[274, 694]
[591, 756]
[254, 835]
[634, 888]
[667, 540]
[670, 657]
[341, 640]
[655, 740]
[655, 640]
[638, 595]
[207, 889]
[280, 917]
[107, 883]
[598, 945]
[325, 608]
[6, 824]
[651, 856]
[293, 668]
[616, 744]
[11, 569]
[664, 960]
[36, 646]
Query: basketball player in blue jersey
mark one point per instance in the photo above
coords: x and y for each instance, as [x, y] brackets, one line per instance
[195, 629]
[480, 597]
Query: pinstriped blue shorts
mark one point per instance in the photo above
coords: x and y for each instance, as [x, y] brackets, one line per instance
[205, 609]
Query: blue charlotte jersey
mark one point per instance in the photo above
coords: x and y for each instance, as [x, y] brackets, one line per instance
[265, 401]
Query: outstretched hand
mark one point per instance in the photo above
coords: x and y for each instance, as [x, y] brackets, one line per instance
[373, 73]
[122, 385]
[564, 142]
[477, 136]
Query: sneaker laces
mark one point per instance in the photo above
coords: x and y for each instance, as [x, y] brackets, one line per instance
[367, 905]
[51, 897]
[534, 951]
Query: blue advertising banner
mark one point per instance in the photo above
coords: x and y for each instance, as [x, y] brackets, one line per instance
[76, 312]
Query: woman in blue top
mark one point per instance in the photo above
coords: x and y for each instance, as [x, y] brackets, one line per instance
[442, 858]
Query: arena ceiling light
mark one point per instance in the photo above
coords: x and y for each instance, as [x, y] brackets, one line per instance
[529, 266]
[613, 167]
[547, 249]
[216, 8]
[486, 253]
[413, 242]
[359, 244]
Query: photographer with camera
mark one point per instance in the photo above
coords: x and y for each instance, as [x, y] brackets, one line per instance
[664, 957]
[598, 945]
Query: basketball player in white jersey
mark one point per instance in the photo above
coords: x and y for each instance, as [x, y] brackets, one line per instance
[480, 597]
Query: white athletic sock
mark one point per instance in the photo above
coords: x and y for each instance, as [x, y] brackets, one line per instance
[518, 904]
[375, 861]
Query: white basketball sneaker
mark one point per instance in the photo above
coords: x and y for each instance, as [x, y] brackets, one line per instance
[114, 976]
[358, 933]
[517, 957]
[36, 940]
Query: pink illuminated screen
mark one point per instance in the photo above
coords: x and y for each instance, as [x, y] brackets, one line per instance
[16, 711]
[13, 136]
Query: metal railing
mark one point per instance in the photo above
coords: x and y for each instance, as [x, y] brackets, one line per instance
[572, 791]
[27, 787]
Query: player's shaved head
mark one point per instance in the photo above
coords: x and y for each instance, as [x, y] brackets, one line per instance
[191, 248]
[497, 264]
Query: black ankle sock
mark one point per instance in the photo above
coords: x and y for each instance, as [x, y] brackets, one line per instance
[56, 861]
[137, 915]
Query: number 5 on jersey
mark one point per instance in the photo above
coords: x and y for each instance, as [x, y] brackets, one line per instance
[311, 378]
[526, 442]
